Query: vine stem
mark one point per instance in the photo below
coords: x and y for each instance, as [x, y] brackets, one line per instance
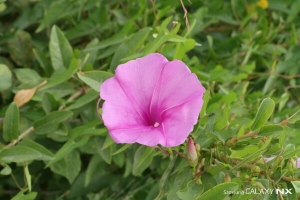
[22, 136]
[251, 134]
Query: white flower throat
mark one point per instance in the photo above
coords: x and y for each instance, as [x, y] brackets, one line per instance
[156, 124]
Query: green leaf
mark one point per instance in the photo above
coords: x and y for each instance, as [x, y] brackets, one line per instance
[270, 130]
[182, 177]
[206, 98]
[108, 142]
[241, 131]
[224, 135]
[43, 61]
[217, 192]
[162, 37]
[254, 155]
[274, 149]
[83, 28]
[6, 170]
[182, 48]
[46, 154]
[115, 39]
[264, 112]
[5, 77]
[67, 148]
[123, 148]
[91, 146]
[94, 165]
[290, 151]
[19, 154]
[142, 159]
[295, 125]
[28, 177]
[106, 154]
[94, 78]
[192, 191]
[246, 151]
[296, 185]
[11, 123]
[167, 172]
[119, 159]
[69, 166]
[20, 48]
[22, 196]
[90, 96]
[51, 121]
[222, 118]
[87, 129]
[27, 76]
[62, 78]
[295, 117]
[61, 52]
[49, 103]
[129, 47]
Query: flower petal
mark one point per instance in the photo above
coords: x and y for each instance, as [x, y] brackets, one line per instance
[176, 86]
[145, 135]
[117, 109]
[179, 121]
[138, 78]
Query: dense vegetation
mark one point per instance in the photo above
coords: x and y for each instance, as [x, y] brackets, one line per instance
[54, 54]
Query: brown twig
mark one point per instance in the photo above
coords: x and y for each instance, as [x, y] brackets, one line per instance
[180, 154]
[162, 150]
[185, 15]
[154, 12]
[71, 98]
[22, 136]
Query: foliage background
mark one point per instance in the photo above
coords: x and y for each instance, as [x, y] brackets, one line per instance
[55, 147]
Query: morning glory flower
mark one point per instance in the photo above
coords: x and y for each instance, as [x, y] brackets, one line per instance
[151, 101]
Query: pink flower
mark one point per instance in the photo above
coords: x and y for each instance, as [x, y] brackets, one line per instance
[269, 159]
[298, 163]
[151, 101]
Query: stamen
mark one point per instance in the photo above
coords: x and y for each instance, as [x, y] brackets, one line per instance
[156, 124]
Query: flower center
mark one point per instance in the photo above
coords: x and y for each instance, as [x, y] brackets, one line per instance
[156, 124]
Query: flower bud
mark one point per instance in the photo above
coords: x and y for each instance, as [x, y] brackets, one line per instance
[255, 170]
[278, 162]
[192, 153]
[231, 142]
[226, 178]
[262, 142]
[260, 160]
[245, 176]
[291, 165]
[197, 147]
